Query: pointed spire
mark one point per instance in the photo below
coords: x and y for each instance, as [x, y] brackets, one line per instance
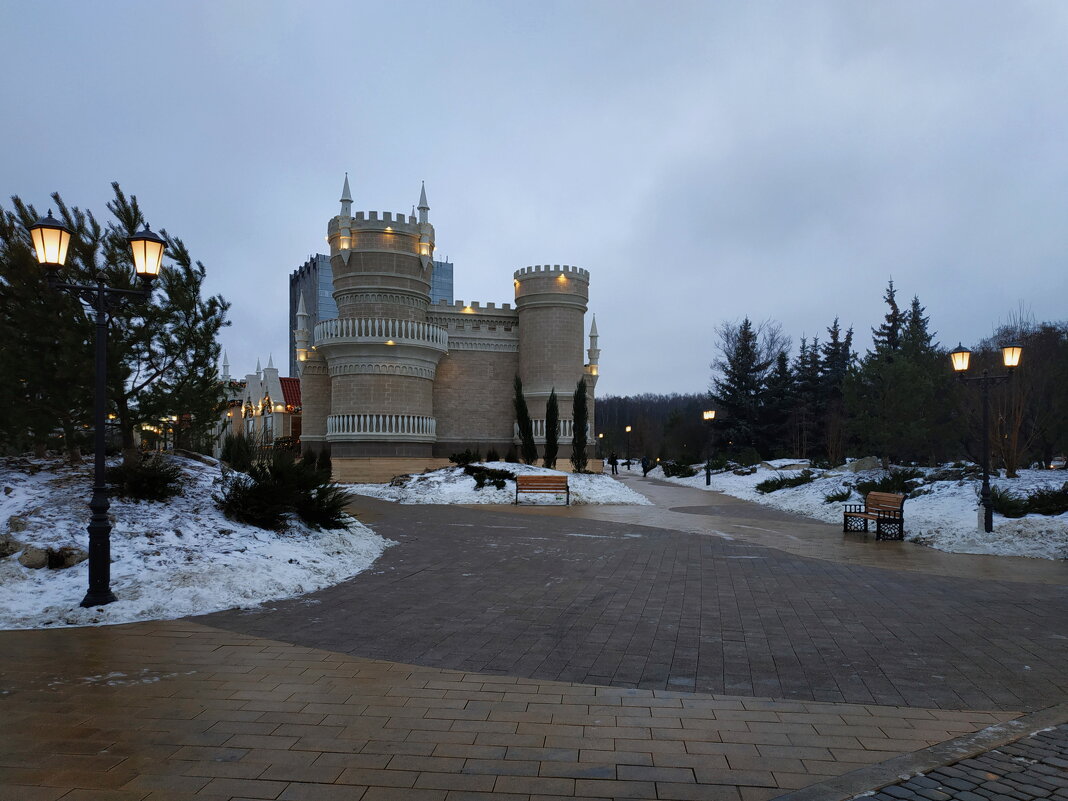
[346, 199]
[270, 362]
[593, 327]
[423, 206]
[226, 367]
[594, 352]
[302, 310]
[258, 368]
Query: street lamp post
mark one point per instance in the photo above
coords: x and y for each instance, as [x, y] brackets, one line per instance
[708, 416]
[50, 242]
[627, 430]
[1010, 356]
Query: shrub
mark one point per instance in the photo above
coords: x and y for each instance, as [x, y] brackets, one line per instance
[747, 457]
[1049, 500]
[467, 457]
[483, 474]
[744, 471]
[274, 489]
[492, 455]
[154, 478]
[323, 463]
[839, 496]
[782, 480]
[677, 469]
[1007, 503]
[237, 451]
[903, 482]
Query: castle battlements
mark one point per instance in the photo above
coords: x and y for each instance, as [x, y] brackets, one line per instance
[474, 307]
[377, 221]
[547, 269]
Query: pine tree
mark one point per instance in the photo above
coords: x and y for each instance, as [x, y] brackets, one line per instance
[580, 406]
[552, 430]
[162, 352]
[886, 339]
[747, 355]
[528, 450]
[834, 367]
[777, 408]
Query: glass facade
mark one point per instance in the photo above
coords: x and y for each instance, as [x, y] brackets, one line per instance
[441, 282]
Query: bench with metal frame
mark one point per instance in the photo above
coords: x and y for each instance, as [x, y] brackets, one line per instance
[885, 508]
[552, 484]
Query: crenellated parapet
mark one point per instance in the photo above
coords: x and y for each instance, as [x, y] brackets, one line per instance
[566, 269]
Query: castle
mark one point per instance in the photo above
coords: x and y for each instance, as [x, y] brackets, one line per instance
[396, 384]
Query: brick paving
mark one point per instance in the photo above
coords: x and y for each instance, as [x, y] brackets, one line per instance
[176, 710]
[545, 596]
[1028, 770]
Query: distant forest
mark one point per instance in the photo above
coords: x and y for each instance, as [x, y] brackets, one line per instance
[900, 401]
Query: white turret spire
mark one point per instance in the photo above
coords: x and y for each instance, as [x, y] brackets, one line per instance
[270, 362]
[302, 311]
[594, 352]
[423, 207]
[225, 367]
[258, 368]
[346, 199]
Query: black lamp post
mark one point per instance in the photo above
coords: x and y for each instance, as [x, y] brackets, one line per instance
[709, 415]
[1010, 356]
[50, 241]
[627, 430]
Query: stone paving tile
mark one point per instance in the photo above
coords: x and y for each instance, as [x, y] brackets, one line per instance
[513, 593]
[326, 725]
[1028, 770]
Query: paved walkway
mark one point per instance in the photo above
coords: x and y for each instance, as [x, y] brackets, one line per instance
[538, 654]
[178, 710]
[547, 595]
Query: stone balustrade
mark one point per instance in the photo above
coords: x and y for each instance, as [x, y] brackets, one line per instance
[379, 424]
[382, 331]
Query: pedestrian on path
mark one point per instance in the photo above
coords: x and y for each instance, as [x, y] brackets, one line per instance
[646, 466]
[614, 462]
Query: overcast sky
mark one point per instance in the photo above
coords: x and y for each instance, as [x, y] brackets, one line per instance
[704, 161]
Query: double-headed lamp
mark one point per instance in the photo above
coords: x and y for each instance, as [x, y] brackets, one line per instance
[50, 241]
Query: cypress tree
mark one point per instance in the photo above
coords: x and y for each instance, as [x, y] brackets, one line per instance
[581, 418]
[552, 430]
[528, 451]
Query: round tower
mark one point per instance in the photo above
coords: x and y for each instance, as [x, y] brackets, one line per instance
[551, 302]
[380, 353]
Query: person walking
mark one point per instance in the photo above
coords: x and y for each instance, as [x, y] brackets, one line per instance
[614, 462]
[646, 466]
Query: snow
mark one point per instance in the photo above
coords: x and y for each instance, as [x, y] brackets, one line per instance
[453, 485]
[170, 559]
[945, 517]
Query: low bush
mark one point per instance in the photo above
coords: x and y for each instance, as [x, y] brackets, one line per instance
[237, 451]
[153, 478]
[1049, 500]
[677, 470]
[1042, 501]
[467, 457]
[782, 481]
[483, 474]
[902, 482]
[744, 471]
[747, 457]
[718, 462]
[275, 488]
[1007, 503]
[840, 496]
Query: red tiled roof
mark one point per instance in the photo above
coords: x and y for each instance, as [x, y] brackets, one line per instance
[290, 391]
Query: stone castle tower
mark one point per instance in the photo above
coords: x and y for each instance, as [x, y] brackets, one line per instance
[397, 384]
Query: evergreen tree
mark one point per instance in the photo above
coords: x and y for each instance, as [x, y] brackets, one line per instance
[580, 404]
[777, 408]
[886, 339]
[552, 430]
[834, 367]
[807, 398]
[528, 450]
[746, 356]
[162, 351]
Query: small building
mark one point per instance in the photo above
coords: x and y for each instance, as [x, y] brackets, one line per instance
[264, 406]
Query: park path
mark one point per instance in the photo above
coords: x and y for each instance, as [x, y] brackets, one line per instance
[528, 655]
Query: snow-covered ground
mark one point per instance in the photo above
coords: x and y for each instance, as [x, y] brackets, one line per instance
[945, 517]
[453, 485]
[169, 559]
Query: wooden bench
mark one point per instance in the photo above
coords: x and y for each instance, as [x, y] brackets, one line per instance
[553, 484]
[885, 508]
